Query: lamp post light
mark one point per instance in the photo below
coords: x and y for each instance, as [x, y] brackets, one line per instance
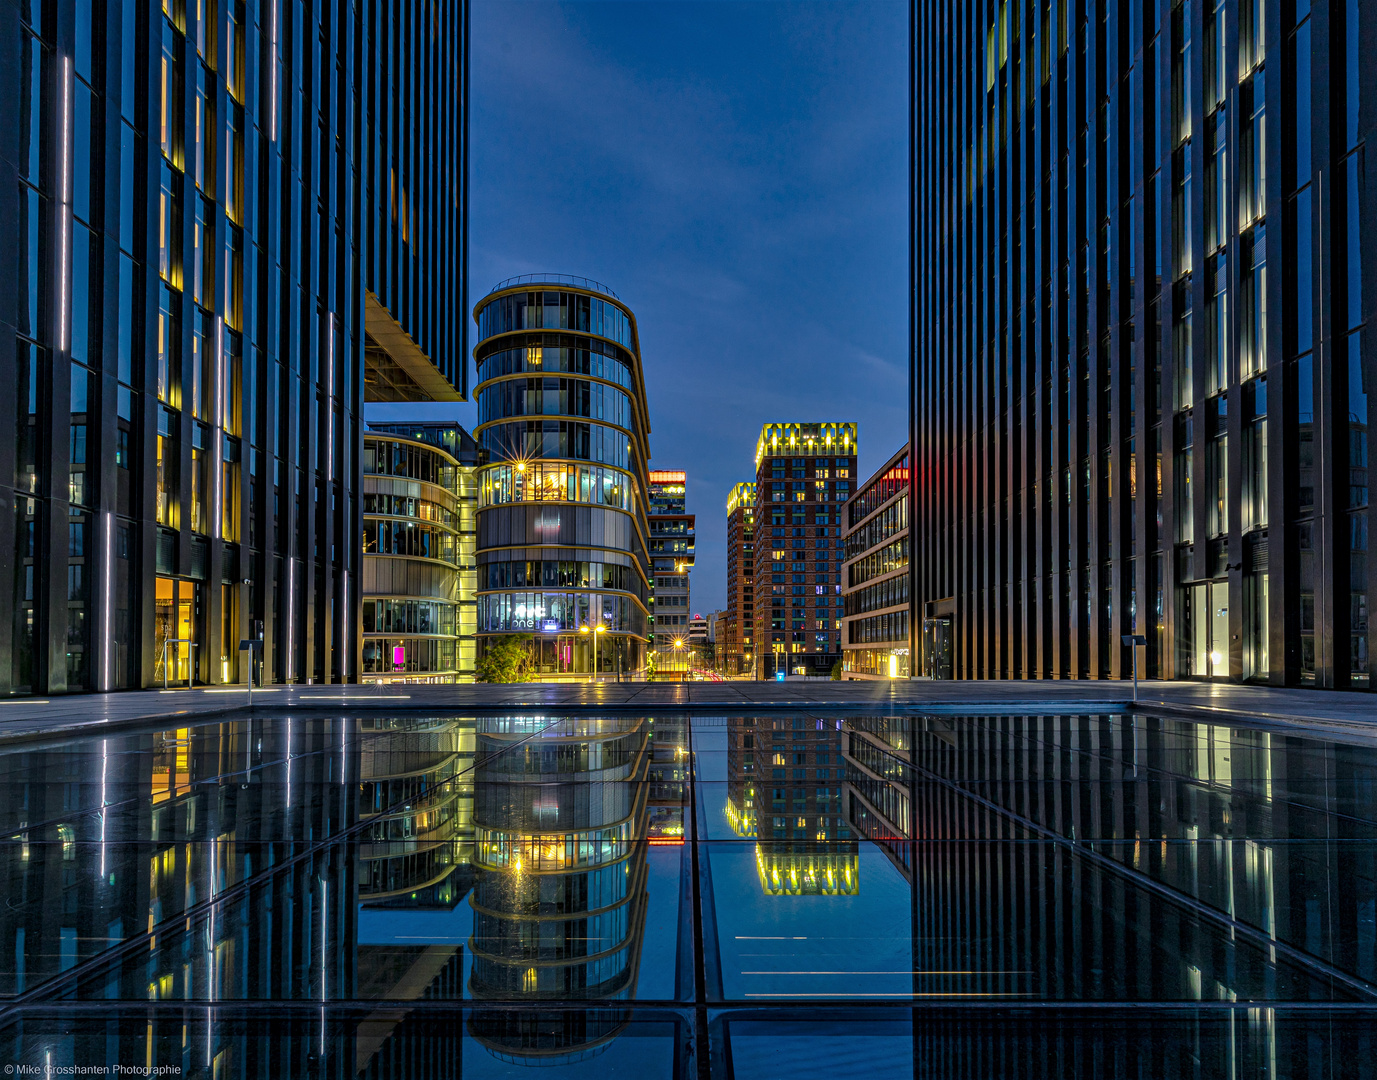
[596, 630]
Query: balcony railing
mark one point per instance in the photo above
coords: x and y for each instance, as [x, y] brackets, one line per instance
[556, 279]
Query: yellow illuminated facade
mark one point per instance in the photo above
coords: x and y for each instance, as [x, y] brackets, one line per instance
[805, 439]
[876, 624]
[742, 494]
[740, 811]
[833, 871]
[804, 475]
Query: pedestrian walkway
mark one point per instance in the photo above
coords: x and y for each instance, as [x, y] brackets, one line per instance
[31, 717]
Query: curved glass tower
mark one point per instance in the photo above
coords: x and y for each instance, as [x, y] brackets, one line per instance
[563, 443]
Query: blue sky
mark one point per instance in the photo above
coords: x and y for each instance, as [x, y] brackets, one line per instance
[737, 173]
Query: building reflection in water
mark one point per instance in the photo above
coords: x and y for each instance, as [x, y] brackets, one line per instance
[559, 901]
[225, 863]
[1123, 858]
[669, 774]
[172, 878]
[416, 795]
[137, 836]
[784, 784]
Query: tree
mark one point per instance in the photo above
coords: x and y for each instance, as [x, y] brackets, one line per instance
[506, 660]
[837, 671]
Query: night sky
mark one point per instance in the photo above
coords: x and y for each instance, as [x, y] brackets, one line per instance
[737, 173]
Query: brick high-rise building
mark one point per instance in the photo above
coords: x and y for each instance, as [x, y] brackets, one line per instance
[803, 480]
[737, 646]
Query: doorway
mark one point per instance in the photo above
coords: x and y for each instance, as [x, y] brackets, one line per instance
[174, 630]
[1204, 649]
[937, 648]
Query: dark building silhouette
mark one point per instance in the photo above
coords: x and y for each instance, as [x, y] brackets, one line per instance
[1191, 843]
[1139, 366]
[234, 224]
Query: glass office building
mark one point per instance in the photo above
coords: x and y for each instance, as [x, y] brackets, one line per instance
[563, 441]
[803, 479]
[1140, 392]
[876, 624]
[224, 212]
[420, 503]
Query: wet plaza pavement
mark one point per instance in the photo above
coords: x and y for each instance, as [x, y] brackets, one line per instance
[799, 892]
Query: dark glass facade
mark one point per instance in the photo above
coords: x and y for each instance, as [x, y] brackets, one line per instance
[217, 202]
[804, 476]
[563, 486]
[1124, 424]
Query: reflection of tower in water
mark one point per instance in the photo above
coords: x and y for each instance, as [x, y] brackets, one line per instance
[560, 898]
[784, 780]
[416, 792]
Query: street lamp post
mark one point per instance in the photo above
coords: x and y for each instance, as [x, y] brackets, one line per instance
[599, 629]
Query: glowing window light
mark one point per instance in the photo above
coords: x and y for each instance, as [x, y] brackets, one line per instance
[64, 316]
[109, 602]
[272, 91]
[218, 452]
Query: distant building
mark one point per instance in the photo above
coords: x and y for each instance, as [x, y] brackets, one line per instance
[876, 624]
[698, 630]
[419, 578]
[716, 629]
[563, 489]
[803, 479]
[735, 639]
[671, 556]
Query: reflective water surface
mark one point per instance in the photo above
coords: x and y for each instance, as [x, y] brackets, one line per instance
[665, 895]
